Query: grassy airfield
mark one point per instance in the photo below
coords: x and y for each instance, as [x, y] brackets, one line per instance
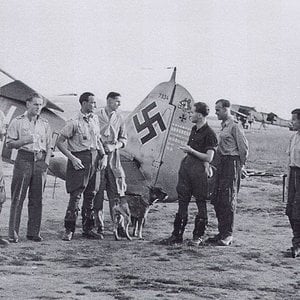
[256, 266]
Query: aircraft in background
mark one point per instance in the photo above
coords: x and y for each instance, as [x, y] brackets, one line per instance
[157, 127]
[243, 112]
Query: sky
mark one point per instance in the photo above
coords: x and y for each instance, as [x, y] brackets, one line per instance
[244, 51]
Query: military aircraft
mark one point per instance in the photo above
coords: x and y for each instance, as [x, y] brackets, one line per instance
[157, 127]
[242, 111]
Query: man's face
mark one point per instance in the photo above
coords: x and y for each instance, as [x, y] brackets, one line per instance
[295, 122]
[35, 106]
[90, 105]
[196, 116]
[220, 111]
[113, 103]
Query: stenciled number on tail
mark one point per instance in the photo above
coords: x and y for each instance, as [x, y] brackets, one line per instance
[148, 123]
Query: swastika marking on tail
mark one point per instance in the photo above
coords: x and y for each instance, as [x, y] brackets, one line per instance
[148, 123]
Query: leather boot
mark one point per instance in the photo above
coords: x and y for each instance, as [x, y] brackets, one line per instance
[199, 230]
[177, 234]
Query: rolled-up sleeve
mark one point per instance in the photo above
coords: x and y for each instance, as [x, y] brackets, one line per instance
[211, 142]
[242, 143]
[122, 135]
[68, 130]
[12, 131]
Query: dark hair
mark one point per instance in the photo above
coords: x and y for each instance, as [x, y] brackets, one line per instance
[34, 95]
[85, 97]
[112, 95]
[202, 108]
[296, 112]
[224, 102]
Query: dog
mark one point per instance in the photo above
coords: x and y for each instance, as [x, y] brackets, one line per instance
[139, 206]
[121, 217]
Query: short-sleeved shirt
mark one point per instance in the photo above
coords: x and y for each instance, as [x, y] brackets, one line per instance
[22, 127]
[82, 133]
[232, 140]
[294, 150]
[203, 139]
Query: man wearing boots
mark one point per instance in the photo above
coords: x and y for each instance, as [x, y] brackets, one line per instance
[193, 176]
[293, 204]
[114, 137]
[232, 153]
[86, 156]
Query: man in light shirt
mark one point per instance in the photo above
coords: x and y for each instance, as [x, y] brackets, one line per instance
[31, 135]
[293, 204]
[86, 157]
[232, 152]
[113, 136]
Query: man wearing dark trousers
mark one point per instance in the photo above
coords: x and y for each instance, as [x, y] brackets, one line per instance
[31, 135]
[232, 154]
[293, 204]
[193, 176]
[86, 157]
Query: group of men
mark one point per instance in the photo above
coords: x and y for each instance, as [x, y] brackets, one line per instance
[91, 142]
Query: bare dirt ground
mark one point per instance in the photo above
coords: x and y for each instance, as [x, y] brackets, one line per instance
[256, 266]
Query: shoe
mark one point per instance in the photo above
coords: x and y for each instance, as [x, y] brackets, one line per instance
[13, 240]
[227, 241]
[67, 236]
[100, 232]
[34, 238]
[196, 242]
[92, 235]
[121, 232]
[214, 239]
[173, 239]
[295, 251]
[4, 242]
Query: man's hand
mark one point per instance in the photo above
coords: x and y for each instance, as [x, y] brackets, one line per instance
[208, 170]
[29, 139]
[109, 148]
[77, 164]
[42, 165]
[103, 163]
[244, 173]
[186, 149]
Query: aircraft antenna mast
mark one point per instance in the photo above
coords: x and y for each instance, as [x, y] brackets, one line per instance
[7, 74]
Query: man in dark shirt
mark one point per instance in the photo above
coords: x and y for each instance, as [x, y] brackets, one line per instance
[193, 176]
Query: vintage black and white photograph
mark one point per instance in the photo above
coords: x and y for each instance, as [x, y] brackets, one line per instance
[150, 149]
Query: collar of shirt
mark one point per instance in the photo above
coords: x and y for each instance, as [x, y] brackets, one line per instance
[86, 117]
[226, 122]
[33, 119]
[200, 129]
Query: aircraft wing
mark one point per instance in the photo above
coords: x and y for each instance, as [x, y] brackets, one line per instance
[237, 113]
[20, 91]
